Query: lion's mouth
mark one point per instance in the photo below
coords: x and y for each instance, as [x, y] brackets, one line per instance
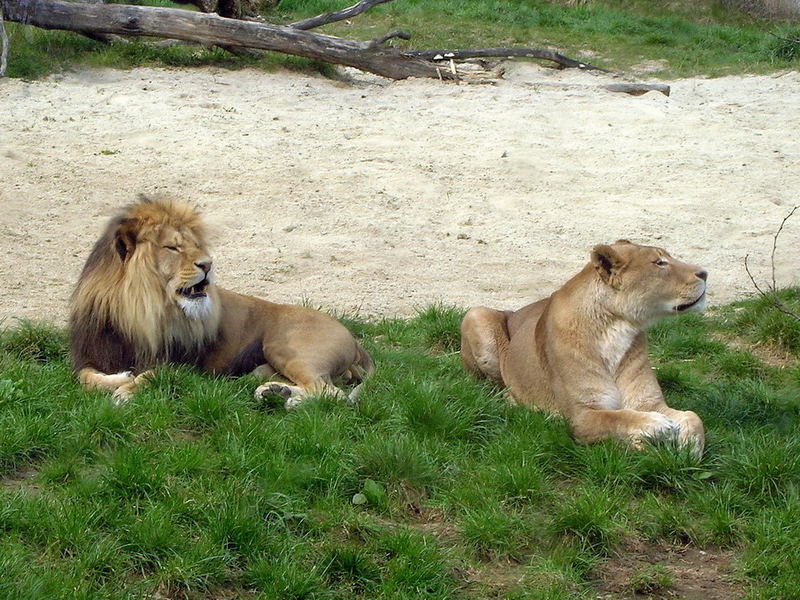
[198, 290]
[688, 305]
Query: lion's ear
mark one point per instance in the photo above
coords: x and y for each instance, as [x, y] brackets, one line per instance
[606, 261]
[125, 237]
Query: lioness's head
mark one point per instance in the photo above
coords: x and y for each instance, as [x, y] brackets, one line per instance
[645, 283]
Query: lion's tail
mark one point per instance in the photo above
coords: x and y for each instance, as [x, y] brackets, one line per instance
[361, 368]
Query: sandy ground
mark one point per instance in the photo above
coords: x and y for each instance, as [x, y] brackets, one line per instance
[378, 197]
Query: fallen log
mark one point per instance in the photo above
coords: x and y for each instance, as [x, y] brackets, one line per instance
[372, 56]
[212, 29]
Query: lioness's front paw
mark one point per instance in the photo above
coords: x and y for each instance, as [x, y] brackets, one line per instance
[657, 427]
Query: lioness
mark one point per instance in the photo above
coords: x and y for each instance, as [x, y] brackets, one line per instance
[146, 296]
[582, 352]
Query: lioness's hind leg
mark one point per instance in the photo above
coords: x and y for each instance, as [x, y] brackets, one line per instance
[483, 337]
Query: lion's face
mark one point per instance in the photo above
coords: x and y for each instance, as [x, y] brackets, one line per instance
[648, 283]
[185, 266]
[172, 250]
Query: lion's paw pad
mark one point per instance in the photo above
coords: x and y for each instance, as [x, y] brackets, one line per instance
[273, 389]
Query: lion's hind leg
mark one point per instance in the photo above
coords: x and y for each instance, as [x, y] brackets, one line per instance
[484, 337]
[294, 395]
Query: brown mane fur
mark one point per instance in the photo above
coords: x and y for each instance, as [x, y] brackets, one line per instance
[119, 305]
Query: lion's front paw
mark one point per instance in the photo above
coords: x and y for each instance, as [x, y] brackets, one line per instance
[122, 394]
[118, 379]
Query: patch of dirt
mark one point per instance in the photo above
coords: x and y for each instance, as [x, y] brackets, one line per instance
[768, 353]
[690, 574]
[493, 579]
[432, 521]
[383, 197]
[20, 480]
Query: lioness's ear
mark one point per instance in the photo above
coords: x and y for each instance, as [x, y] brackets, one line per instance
[125, 237]
[606, 261]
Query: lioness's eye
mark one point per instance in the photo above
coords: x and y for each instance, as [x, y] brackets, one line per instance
[173, 248]
[660, 262]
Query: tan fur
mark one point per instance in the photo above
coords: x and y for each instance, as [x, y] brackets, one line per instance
[146, 296]
[582, 352]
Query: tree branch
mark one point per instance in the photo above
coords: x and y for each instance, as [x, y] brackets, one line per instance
[385, 38]
[213, 29]
[339, 15]
[504, 53]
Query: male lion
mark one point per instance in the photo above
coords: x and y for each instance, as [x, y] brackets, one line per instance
[582, 352]
[146, 296]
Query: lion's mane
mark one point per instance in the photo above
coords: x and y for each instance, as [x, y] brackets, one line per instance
[121, 312]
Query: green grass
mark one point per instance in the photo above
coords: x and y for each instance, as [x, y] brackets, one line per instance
[691, 37]
[431, 486]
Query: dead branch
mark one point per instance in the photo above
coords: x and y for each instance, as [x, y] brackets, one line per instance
[213, 29]
[772, 288]
[339, 15]
[505, 53]
[394, 34]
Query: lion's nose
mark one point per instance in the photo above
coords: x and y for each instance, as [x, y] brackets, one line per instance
[702, 274]
[204, 265]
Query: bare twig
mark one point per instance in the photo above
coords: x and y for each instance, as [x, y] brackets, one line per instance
[772, 289]
[385, 38]
[784, 39]
[775, 244]
[339, 15]
[4, 37]
[542, 53]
